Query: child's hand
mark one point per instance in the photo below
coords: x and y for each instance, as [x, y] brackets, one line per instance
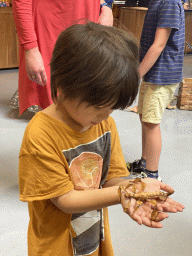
[142, 212]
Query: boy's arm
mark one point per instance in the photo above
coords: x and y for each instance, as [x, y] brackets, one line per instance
[115, 182]
[76, 201]
[160, 41]
[87, 200]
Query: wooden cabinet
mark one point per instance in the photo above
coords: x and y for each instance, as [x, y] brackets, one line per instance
[9, 47]
[188, 30]
[133, 18]
[116, 9]
[130, 17]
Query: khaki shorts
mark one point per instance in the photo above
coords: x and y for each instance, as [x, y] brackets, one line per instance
[153, 100]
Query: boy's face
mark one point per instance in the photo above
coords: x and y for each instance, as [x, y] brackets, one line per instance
[80, 116]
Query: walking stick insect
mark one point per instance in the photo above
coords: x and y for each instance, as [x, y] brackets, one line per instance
[138, 186]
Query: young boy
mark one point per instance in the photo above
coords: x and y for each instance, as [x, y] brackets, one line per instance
[71, 162]
[162, 50]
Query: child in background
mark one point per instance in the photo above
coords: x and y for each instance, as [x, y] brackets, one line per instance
[162, 51]
[71, 163]
[109, 3]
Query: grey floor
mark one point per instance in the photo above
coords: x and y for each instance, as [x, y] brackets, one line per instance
[175, 238]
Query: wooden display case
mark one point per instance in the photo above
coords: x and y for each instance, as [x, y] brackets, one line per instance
[184, 100]
[9, 47]
[130, 17]
[188, 30]
[133, 18]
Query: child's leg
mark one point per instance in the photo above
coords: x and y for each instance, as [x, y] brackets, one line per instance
[151, 142]
[152, 102]
[143, 139]
[139, 166]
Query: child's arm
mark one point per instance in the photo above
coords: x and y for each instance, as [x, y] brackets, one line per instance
[76, 201]
[160, 41]
[116, 182]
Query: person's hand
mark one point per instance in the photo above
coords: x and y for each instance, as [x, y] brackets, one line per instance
[35, 66]
[106, 16]
[143, 214]
[186, 6]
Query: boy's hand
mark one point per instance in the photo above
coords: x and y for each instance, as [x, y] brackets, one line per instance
[143, 214]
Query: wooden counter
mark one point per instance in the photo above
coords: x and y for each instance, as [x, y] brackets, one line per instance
[133, 18]
[9, 47]
[188, 30]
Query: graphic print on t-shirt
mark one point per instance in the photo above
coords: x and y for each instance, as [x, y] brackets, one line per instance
[88, 165]
[86, 170]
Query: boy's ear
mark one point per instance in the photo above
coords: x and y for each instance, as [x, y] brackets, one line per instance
[59, 98]
[59, 91]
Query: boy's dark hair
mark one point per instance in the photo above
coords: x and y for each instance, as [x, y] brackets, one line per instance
[97, 63]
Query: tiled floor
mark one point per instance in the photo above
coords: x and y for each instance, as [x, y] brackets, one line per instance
[175, 238]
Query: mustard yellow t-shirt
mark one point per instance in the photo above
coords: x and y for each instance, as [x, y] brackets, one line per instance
[53, 160]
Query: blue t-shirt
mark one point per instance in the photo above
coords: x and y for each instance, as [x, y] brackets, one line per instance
[168, 68]
[109, 2]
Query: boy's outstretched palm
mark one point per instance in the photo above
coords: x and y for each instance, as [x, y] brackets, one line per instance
[143, 214]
